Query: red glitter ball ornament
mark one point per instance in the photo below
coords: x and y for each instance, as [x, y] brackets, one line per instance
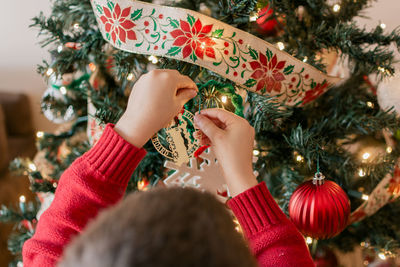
[319, 208]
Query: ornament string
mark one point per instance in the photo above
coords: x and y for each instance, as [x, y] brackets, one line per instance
[318, 171]
[199, 94]
[318, 176]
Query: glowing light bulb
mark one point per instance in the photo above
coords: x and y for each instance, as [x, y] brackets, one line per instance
[22, 199]
[76, 26]
[383, 25]
[55, 185]
[382, 256]
[32, 167]
[370, 104]
[280, 45]
[389, 149]
[309, 240]
[22, 205]
[253, 17]
[153, 59]
[39, 134]
[381, 69]
[299, 158]
[361, 173]
[366, 155]
[130, 77]
[256, 152]
[305, 59]
[59, 48]
[224, 99]
[336, 8]
[92, 66]
[49, 71]
[63, 90]
[142, 185]
[237, 225]
[364, 197]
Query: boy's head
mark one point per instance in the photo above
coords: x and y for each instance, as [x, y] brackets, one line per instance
[161, 227]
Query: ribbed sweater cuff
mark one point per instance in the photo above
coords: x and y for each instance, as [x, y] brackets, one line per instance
[113, 157]
[256, 209]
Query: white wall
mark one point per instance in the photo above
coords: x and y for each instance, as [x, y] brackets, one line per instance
[383, 11]
[19, 54]
[19, 51]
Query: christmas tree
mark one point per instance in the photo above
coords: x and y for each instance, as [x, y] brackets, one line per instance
[305, 120]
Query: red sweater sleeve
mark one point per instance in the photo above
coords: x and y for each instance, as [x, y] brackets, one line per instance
[93, 182]
[273, 238]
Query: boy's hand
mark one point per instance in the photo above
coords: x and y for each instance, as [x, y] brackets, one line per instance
[231, 138]
[156, 98]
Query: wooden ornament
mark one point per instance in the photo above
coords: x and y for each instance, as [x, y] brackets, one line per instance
[206, 176]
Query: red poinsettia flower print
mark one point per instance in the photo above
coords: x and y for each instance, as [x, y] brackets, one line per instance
[118, 24]
[268, 73]
[194, 40]
[312, 94]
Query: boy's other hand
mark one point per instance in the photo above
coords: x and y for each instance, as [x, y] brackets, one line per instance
[156, 98]
[231, 138]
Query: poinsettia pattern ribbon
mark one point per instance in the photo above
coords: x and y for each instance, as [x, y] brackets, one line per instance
[187, 35]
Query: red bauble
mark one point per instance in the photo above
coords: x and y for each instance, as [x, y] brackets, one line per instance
[319, 208]
[266, 24]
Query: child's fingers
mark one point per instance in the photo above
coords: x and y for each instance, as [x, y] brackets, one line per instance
[207, 126]
[203, 139]
[216, 121]
[218, 114]
[184, 82]
[185, 94]
[186, 88]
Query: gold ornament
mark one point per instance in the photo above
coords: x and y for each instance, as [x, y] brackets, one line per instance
[175, 142]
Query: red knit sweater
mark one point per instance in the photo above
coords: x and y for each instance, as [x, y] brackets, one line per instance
[99, 179]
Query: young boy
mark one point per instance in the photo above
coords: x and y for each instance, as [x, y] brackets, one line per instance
[163, 227]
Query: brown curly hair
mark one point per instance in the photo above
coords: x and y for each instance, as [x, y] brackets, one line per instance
[162, 227]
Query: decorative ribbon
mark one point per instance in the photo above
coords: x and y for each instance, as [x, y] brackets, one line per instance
[388, 190]
[189, 36]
